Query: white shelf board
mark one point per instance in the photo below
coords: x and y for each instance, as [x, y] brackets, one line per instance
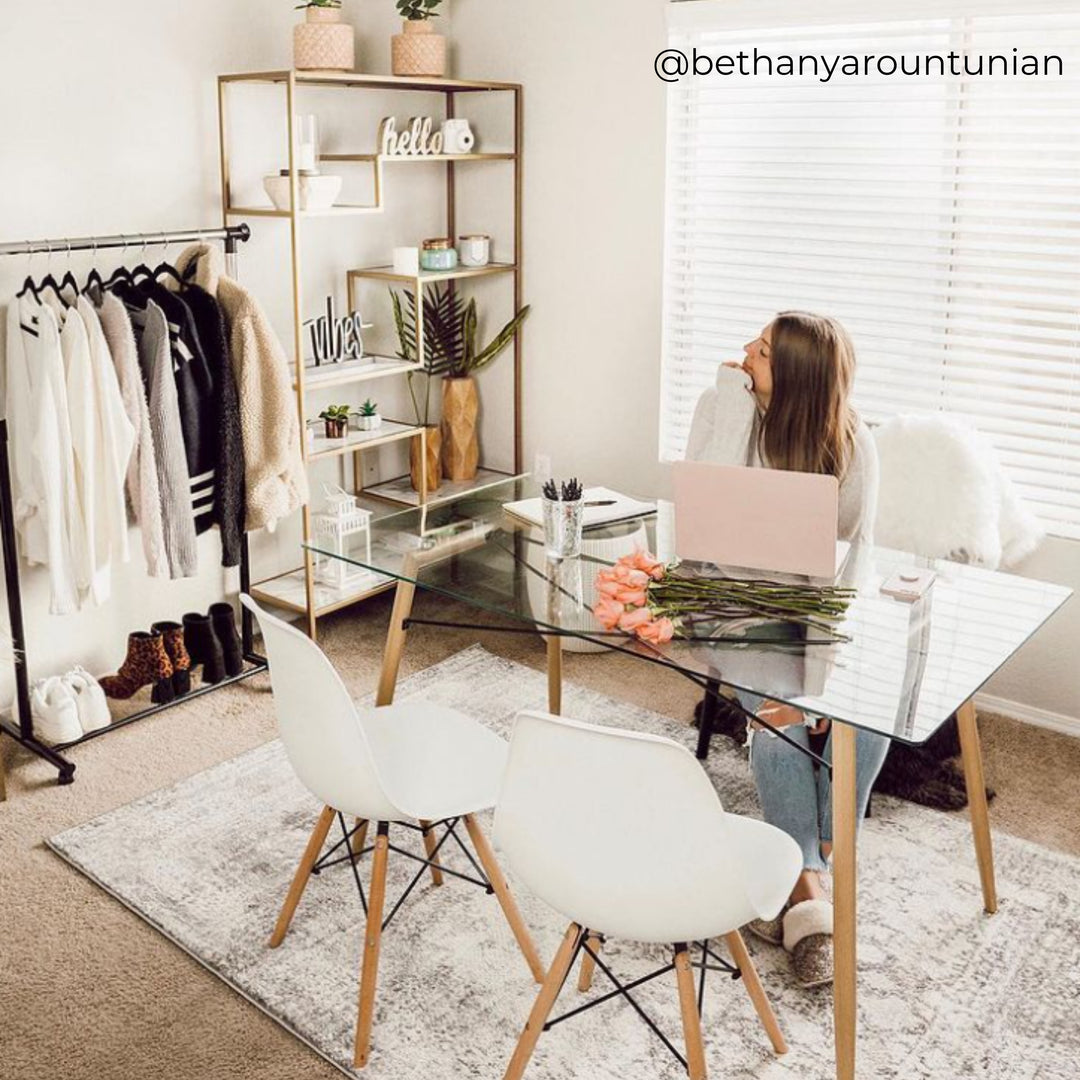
[388, 431]
[349, 371]
[400, 489]
[288, 591]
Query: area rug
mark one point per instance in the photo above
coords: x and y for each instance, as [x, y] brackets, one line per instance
[945, 991]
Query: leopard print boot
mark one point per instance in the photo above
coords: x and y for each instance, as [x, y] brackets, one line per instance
[147, 664]
[173, 635]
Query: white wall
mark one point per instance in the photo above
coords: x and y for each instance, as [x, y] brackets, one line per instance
[111, 126]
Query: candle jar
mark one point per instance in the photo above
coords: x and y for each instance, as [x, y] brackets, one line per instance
[438, 254]
[474, 250]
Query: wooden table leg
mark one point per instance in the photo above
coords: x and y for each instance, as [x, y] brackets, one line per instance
[974, 778]
[395, 642]
[844, 877]
[554, 667]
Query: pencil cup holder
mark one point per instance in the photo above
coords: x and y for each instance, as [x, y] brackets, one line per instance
[562, 527]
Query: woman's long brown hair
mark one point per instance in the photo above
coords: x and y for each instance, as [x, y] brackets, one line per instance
[809, 425]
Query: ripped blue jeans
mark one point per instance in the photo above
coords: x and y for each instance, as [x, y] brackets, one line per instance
[796, 793]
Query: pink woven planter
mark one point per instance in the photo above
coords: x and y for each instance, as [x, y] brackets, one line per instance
[418, 50]
[323, 42]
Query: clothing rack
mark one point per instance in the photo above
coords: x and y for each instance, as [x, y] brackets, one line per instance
[23, 731]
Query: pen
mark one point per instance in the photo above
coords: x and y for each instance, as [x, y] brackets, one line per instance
[601, 502]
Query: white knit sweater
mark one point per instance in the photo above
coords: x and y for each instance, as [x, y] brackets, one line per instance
[274, 476]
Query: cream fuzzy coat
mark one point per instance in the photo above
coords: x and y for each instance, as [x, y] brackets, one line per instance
[274, 476]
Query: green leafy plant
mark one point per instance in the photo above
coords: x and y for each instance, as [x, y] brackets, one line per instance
[417, 10]
[319, 3]
[450, 332]
[369, 408]
[335, 412]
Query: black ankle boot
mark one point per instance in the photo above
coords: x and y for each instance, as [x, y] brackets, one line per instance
[224, 623]
[204, 647]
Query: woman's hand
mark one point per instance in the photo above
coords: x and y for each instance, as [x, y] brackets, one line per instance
[777, 714]
[740, 367]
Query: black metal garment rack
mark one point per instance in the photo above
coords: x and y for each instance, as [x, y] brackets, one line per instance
[23, 730]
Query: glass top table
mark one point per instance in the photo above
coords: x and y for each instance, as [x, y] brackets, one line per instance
[905, 668]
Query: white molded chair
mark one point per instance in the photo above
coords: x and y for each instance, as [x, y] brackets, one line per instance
[623, 834]
[400, 763]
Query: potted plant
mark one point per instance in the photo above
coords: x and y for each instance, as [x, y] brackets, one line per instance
[418, 50]
[367, 417]
[335, 418]
[451, 351]
[323, 42]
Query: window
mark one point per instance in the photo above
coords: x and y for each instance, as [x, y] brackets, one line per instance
[937, 216]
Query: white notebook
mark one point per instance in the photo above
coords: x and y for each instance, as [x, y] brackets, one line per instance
[612, 506]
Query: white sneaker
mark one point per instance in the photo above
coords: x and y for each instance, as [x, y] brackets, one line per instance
[55, 714]
[89, 699]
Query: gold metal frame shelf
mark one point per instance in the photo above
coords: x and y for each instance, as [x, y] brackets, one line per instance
[285, 593]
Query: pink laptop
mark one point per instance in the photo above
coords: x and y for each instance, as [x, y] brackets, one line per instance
[759, 519]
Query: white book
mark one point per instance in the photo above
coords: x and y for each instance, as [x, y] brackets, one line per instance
[607, 507]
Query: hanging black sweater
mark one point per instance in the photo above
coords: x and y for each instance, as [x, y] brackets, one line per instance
[229, 467]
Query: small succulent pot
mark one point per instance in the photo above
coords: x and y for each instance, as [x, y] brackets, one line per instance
[370, 422]
[336, 427]
[323, 42]
[418, 50]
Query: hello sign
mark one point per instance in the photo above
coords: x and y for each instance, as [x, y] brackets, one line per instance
[421, 137]
[336, 339]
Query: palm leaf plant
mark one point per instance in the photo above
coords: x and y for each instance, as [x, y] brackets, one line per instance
[451, 328]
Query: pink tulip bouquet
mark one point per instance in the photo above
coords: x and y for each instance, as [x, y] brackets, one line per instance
[623, 599]
[642, 596]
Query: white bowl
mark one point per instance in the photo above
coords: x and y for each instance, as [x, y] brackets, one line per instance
[316, 192]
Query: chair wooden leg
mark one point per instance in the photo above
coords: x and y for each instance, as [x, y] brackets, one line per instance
[429, 846]
[553, 983]
[369, 968]
[737, 948]
[588, 964]
[303, 872]
[975, 780]
[691, 1020]
[504, 896]
[359, 838]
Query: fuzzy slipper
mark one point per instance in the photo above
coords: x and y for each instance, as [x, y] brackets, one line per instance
[770, 930]
[808, 929]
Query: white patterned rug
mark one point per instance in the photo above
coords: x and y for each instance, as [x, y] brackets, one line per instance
[945, 991]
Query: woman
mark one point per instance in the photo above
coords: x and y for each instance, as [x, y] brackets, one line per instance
[801, 368]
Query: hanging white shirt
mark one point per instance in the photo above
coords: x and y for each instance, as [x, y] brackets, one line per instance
[116, 440]
[42, 462]
[92, 567]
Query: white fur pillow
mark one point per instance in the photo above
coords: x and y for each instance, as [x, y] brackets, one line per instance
[944, 494]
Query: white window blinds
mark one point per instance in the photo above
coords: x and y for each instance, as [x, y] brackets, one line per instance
[938, 217]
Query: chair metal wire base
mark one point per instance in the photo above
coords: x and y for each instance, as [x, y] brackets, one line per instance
[327, 860]
[719, 964]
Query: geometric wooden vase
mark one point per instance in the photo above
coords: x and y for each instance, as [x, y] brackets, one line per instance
[434, 470]
[461, 447]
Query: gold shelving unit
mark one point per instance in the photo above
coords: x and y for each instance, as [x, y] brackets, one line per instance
[297, 590]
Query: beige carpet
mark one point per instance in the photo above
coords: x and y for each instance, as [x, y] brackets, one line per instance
[90, 991]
